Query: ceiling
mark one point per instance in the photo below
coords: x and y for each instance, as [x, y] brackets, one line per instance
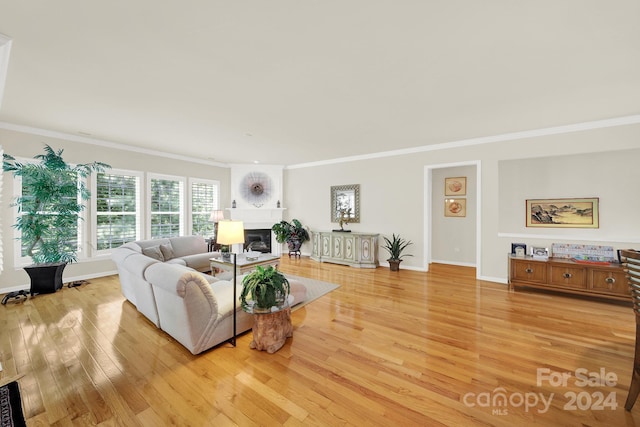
[299, 81]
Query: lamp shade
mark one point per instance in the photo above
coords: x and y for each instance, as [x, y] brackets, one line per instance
[216, 216]
[230, 232]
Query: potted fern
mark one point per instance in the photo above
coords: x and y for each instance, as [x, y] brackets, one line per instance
[395, 247]
[48, 213]
[263, 289]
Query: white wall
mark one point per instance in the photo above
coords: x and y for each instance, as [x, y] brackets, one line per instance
[392, 189]
[20, 144]
[610, 177]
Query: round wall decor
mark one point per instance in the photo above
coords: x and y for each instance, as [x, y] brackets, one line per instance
[256, 188]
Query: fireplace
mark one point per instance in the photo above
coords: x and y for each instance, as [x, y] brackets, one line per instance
[257, 240]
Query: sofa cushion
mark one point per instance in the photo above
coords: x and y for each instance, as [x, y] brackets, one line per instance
[167, 251]
[188, 245]
[199, 262]
[153, 252]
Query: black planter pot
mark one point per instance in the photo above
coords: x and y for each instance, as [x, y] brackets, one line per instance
[45, 278]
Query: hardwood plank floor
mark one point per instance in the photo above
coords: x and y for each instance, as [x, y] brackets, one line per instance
[386, 348]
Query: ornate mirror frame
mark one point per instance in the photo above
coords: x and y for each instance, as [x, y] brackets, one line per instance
[345, 197]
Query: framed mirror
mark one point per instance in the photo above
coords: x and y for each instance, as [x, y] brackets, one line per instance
[345, 198]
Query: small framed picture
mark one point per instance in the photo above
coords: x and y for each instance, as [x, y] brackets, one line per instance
[455, 186]
[518, 249]
[539, 252]
[455, 207]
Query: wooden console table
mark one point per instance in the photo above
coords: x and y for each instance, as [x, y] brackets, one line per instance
[564, 275]
[348, 248]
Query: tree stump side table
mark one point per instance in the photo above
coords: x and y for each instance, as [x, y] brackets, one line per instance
[271, 330]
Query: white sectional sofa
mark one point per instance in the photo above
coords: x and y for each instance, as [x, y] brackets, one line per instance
[164, 279]
[133, 259]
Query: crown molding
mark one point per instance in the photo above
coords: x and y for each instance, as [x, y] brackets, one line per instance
[556, 130]
[107, 144]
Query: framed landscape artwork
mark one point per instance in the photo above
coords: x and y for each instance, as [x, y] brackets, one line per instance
[455, 186]
[563, 213]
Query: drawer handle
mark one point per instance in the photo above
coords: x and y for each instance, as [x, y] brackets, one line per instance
[567, 275]
[528, 270]
[610, 280]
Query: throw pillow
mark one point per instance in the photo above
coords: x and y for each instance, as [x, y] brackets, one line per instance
[167, 251]
[153, 252]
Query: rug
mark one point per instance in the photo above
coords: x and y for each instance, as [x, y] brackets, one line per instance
[315, 289]
[11, 406]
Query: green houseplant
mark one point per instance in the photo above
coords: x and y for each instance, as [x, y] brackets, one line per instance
[395, 247]
[264, 288]
[292, 233]
[48, 213]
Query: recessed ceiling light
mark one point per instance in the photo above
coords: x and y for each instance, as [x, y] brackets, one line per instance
[256, 161]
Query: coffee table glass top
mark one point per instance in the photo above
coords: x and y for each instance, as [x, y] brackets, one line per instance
[242, 260]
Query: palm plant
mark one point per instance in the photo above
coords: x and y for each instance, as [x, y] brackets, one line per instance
[48, 213]
[264, 288]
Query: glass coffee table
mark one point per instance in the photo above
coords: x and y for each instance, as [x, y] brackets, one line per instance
[243, 264]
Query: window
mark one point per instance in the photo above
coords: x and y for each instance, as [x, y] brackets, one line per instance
[166, 206]
[116, 201]
[204, 200]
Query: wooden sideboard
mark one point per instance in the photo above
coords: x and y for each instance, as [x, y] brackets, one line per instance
[354, 249]
[565, 275]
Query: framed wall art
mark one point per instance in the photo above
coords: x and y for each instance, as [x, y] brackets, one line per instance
[345, 199]
[563, 213]
[455, 207]
[455, 186]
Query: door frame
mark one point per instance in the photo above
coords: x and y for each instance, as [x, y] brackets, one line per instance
[428, 203]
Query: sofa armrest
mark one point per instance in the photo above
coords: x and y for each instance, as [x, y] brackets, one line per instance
[187, 307]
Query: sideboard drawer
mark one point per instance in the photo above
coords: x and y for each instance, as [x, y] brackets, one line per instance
[569, 277]
[609, 281]
[528, 271]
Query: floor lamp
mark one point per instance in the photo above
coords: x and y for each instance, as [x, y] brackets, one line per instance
[231, 233]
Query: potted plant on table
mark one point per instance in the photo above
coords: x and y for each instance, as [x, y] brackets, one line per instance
[265, 294]
[263, 289]
[395, 247]
[292, 233]
[48, 213]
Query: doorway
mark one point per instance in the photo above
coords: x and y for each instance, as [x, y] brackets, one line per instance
[453, 239]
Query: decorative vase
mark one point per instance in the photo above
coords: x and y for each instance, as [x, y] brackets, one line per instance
[294, 245]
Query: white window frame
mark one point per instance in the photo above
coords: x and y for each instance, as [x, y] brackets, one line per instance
[182, 180]
[94, 208]
[216, 202]
[20, 261]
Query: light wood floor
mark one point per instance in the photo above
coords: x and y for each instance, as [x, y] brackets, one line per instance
[386, 348]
